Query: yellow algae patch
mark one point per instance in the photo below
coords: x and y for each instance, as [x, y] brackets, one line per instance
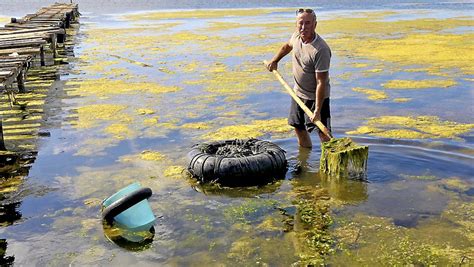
[196, 125]
[98, 66]
[256, 129]
[150, 121]
[4, 20]
[106, 87]
[360, 65]
[145, 111]
[90, 116]
[151, 155]
[456, 184]
[224, 25]
[189, 67]
[199, 13]
[174, 171]
[372, 93]
[167, 125]
[120, 131]
[412, 127]
[401, 99]
[371, 71]
[234, 82]
[401, 41]
[418, 84]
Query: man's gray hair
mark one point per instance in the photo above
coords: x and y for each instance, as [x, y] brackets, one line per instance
[306, 10]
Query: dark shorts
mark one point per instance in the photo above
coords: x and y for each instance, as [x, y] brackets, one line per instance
[300, 120]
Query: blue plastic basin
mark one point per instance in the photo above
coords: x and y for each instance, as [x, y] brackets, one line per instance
[138, 217]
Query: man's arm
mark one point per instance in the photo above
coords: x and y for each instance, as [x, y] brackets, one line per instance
[284, 50]
[321, 79]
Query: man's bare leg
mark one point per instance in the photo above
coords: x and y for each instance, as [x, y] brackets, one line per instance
[304, 139]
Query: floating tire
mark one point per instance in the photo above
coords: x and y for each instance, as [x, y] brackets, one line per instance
[237, 162]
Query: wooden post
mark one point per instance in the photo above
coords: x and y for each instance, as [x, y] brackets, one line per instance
[42, 55]
[21, 81]
[53, 44]
[2, 142]
[68, 19]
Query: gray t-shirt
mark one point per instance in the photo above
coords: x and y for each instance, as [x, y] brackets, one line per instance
[308, 59]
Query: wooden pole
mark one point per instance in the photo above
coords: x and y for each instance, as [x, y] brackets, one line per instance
[300, 103]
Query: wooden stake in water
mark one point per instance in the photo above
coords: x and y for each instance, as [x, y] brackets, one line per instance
[340, 157]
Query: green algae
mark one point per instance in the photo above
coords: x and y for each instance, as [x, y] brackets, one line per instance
[401, 42]
[145, 111]
[402, 99]
[247, 211]
[418, 84]
[92, 115]
[412, 127]
[107, 87]
[151, 155]
[174, 171]
[256, 129]
[340, 157]
[372, 93]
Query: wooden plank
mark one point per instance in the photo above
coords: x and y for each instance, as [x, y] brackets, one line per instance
[10, 64]
[45, 36]
[11, 30]
[21, 51]
[29, 43]
[32, 25]
[15, 58]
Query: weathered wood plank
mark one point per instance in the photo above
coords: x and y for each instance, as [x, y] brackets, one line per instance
[29, 43]
[11, 30]
[21, 51]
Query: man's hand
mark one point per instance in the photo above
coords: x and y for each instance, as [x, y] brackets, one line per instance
[272, 65]
[316, 117]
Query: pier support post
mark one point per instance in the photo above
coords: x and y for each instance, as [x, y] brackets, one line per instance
[2, 142]
[21, 81]
[42, 56]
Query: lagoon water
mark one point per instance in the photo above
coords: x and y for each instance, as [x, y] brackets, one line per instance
[142, 88]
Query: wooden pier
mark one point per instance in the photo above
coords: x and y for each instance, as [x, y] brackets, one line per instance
[24, 42]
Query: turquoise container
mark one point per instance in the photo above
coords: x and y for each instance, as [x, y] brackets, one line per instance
[138, 217]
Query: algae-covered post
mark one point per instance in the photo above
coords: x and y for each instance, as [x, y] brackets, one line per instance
[340, 157]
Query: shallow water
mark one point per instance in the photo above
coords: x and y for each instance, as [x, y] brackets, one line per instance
[142, 90]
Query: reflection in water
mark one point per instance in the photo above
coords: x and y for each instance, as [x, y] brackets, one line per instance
[5, 260]
[133, 241]
[9, 213]
[346, 190]
[13, 168]
[238, 192]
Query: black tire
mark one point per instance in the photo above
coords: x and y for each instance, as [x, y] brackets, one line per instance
[122, 204]
[265, 163]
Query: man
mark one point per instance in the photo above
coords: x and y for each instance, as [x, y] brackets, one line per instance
[310, 59]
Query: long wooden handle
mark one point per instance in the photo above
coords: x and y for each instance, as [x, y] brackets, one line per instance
[299, 102]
